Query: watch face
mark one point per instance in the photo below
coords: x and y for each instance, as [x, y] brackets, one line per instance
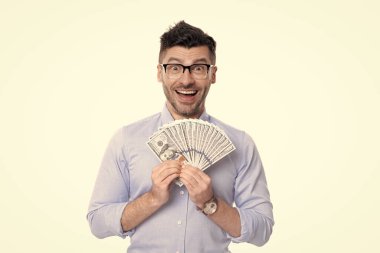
[210, 207]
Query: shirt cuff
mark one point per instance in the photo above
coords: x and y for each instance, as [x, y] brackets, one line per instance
[244, 229]
[121, 232]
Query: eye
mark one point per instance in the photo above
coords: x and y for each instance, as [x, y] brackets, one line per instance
[198, 68]
[173, 67]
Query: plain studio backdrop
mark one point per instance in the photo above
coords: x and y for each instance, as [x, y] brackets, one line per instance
[301, 77]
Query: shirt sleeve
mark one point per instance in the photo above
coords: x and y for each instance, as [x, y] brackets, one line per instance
[111, 191]
[252, 197]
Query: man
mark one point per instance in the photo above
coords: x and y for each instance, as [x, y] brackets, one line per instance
[135, 195]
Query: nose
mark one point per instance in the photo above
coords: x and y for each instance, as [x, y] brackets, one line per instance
[186, 77]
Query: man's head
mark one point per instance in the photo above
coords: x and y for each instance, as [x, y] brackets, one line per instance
[186, 69]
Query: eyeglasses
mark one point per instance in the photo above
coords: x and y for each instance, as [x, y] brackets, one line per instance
[197, 71]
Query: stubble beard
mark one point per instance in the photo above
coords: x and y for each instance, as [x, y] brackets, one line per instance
[187, 111]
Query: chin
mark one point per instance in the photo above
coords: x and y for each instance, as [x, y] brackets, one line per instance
[189, 114]
[186, 111]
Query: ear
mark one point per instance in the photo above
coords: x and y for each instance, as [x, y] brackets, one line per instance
[159, 73]
[213, 74]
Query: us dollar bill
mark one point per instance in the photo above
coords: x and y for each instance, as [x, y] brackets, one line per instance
[192, 141]
[163, 146]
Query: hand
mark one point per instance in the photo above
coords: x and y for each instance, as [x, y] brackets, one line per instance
[162, 176]
[198, 185]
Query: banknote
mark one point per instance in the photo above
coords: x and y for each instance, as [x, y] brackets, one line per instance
[196, 142]
[164, 147]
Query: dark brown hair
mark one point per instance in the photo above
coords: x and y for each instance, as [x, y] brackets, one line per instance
[185, 35]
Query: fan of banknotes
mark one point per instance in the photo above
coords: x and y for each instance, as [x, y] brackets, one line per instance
[199, 142]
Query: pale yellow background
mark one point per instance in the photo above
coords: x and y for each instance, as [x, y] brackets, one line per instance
[302, 77]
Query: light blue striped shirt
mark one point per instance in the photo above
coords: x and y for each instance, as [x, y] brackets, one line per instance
[125, 174]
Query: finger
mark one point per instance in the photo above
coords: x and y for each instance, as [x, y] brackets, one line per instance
[196, 173]
[189, 186]
[199, 194]
[171, 163]
[188, 179]
[192, 169]
[168, 163]
[170, 179]
[164, 166]
[164, 173]
[198, 181]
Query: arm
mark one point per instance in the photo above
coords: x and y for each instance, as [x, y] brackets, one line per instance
[252, 196]
[111, 191]
[227, 218]
[111, 212]
[252, 219]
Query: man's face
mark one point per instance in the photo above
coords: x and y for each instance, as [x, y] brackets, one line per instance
[185, 95]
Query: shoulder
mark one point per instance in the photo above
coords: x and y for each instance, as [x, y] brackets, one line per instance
[246, 155]
[143, 124]
[140, 129]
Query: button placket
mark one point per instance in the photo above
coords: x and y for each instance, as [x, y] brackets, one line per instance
[182, 202]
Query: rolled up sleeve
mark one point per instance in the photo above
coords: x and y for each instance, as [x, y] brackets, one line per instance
[252, 197]
[111, 192]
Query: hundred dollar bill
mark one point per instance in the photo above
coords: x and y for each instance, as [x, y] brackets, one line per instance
[163, 146]
[192, 141]
[165, 149]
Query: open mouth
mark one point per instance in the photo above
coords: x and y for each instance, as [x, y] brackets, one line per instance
[189, 93]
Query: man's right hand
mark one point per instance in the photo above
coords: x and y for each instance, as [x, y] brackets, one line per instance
[162, 176]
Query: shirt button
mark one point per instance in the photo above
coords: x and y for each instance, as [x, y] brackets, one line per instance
[181, 193]
[179, 222]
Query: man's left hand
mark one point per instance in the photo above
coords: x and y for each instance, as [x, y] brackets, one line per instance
[198, 185]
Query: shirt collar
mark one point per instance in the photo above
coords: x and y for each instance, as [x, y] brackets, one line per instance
[166, 116]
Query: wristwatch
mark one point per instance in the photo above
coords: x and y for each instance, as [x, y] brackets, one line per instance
[210, 206]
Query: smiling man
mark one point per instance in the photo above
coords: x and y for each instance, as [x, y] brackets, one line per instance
[135, 196]
[186, 91]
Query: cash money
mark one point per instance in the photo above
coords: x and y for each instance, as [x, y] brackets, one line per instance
[198, 142]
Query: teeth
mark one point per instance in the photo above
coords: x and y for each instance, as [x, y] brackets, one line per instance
[187, 92]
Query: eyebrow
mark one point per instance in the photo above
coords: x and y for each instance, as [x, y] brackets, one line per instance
[200, 60]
